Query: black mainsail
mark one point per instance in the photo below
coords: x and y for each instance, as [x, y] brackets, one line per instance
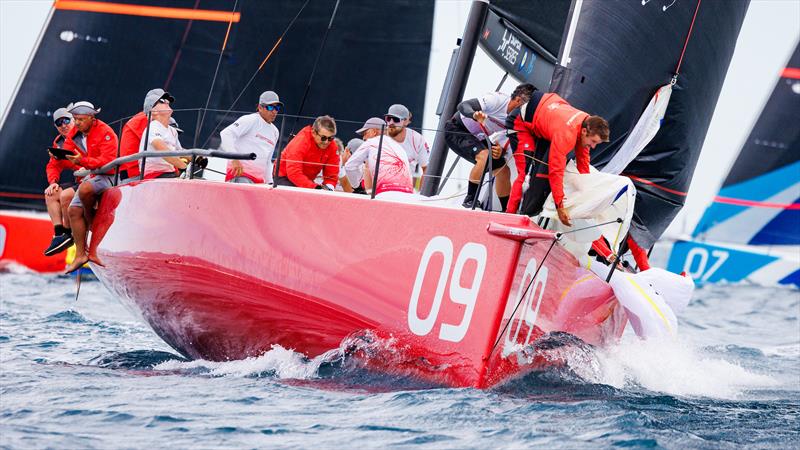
[618, 55]
[111, 54]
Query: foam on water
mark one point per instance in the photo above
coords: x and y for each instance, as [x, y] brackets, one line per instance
[87, 374]
[676, 367]
[278, 362]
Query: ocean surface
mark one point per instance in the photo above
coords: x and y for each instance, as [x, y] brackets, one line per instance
[88, 374]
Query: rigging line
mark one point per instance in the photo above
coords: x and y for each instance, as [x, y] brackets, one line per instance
[216, 73]
[686, 42]
[180, 49]
[314, 67]
[250, 81]
[617, 220]
[521, 297]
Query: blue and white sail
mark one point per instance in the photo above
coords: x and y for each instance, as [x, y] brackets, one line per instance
[751, 231]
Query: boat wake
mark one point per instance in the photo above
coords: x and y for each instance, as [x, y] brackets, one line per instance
[347, 366]
[678, 368]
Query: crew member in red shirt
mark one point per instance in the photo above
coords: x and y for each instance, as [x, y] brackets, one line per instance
[133, 130]
[57, 196]
[96, 143]
[312, 151]
[548, 117]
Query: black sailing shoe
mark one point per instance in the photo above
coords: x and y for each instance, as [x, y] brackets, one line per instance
[468, 202]
[59, 243]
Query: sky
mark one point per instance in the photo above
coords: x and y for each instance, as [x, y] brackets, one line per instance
[768, 36]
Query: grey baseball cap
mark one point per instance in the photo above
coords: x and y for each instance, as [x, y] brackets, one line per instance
[373, 123]
[82, 107]
[60, 113]
[353, 144]
[153, 96]
[400, 111]
[269, 98]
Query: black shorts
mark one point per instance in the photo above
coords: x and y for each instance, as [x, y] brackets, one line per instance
[465, 144]
[69, 185]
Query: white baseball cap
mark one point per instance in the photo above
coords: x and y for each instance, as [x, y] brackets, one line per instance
[61, 113]
[269, 98]
[82, 107]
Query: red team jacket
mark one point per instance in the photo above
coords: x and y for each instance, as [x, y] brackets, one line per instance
[56, 166]
[302, 160]
[101, 146]
[556, 121]
[129, 141]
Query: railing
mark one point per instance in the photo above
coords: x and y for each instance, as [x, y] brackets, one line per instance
[116, 163]
[486, 176]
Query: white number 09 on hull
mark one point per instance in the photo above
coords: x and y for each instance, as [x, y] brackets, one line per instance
[529, 311]
[459, 294]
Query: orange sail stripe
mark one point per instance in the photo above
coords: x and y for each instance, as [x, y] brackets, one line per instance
[791, 72]
[147, 11]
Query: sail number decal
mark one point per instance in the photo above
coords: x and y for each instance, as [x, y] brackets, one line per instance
[421, 323]
[702, 271]
[529, 308]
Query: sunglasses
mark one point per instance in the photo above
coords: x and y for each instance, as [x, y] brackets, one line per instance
[392, 119]
[63, 121]
[325, 138]
[163, 100]
[278, 108]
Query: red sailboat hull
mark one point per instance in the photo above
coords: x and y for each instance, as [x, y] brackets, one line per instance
[224, 271]
[23, 237]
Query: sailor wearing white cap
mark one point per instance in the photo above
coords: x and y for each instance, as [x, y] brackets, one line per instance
[397, 118]
[160, 136]
[253, 133]
[131, 137]
[56, 196]
[394, 174]
[96, 145]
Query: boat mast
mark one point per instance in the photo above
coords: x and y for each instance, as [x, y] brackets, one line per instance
[454, 92]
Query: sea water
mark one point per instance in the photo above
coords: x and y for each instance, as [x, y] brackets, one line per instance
[89, 374]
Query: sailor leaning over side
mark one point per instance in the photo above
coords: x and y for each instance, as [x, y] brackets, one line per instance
[253, 133]
[548, 119]
[96, 145]
[57, 196]
[466, 133]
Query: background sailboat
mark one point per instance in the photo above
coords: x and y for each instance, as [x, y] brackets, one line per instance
[113, 53]
[751, 231]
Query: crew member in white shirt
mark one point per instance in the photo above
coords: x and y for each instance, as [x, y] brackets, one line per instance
[394, 173]
[160, 136]
[397, 118]
[253, 133]
[467, 130]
